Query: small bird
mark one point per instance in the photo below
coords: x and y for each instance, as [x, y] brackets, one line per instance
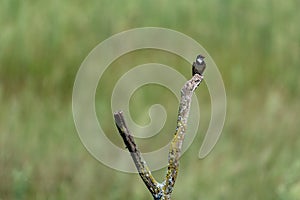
[199, 66]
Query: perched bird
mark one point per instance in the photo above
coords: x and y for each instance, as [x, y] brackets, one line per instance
[199, 66]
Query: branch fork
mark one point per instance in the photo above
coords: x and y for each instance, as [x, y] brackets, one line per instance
[162, 191]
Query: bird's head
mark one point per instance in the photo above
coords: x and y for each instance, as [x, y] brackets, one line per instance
[200, 59]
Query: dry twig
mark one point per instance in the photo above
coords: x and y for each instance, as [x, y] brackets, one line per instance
[162, 191]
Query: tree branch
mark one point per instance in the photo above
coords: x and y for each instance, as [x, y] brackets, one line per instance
[141, 165]
[176, 144]
[162, 191]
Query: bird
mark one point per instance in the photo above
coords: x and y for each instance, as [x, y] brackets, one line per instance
[199, 66]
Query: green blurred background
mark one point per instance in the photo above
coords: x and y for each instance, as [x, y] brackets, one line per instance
[255, 44]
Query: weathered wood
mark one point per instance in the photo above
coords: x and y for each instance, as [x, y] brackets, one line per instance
[141, 165]
[162, 191]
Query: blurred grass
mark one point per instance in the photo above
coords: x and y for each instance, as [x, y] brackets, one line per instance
[255, 44]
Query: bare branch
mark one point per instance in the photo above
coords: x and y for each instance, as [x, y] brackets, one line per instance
[162, 191]
[141, 165]
[176, 144]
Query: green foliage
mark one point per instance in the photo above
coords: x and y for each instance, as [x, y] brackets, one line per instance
[255, 44]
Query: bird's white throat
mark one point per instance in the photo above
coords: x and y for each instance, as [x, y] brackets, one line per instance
[199, 60]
